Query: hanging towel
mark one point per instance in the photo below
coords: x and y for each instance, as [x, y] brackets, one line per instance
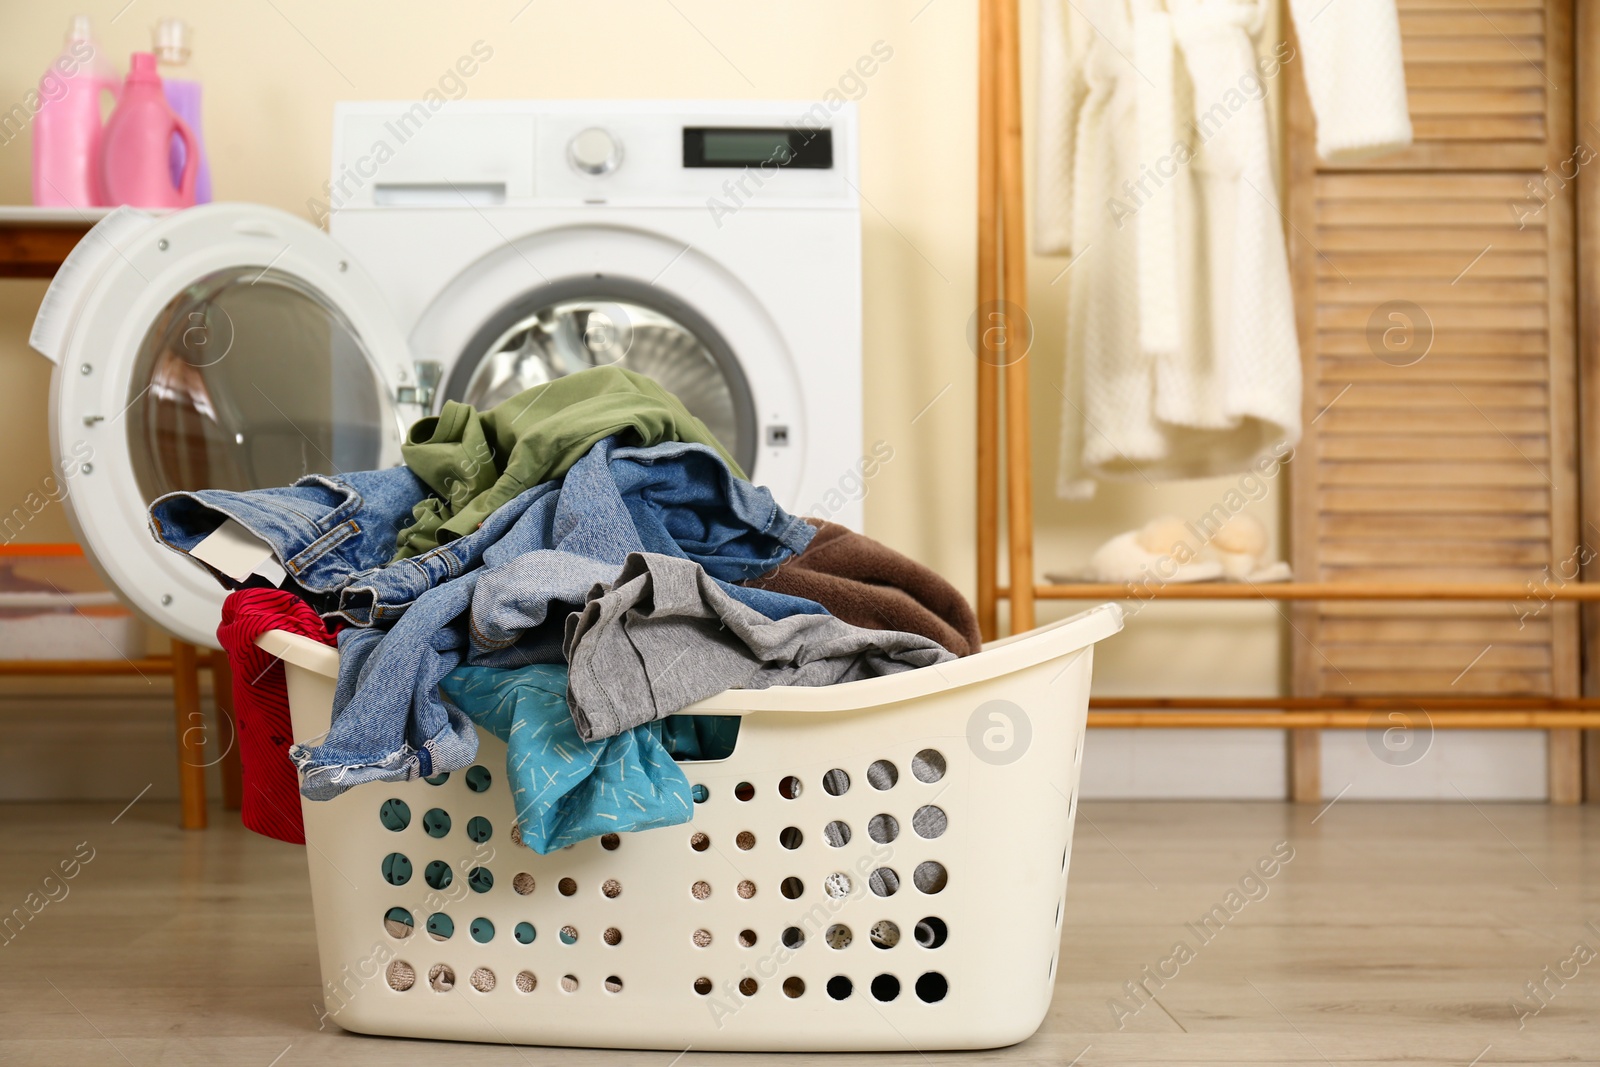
[1354, 76]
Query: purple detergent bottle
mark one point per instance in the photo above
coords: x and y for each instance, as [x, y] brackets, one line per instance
[171, 46]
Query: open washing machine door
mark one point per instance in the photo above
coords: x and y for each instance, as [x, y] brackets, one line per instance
[229, 346]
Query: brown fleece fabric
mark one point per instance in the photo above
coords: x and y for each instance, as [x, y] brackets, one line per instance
[871, 585]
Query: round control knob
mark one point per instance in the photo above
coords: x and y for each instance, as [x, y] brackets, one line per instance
[595, 151]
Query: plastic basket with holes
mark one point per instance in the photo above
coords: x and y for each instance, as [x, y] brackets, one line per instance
[879, 865]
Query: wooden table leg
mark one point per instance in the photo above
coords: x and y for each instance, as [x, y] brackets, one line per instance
[227, 731]
[191, 726]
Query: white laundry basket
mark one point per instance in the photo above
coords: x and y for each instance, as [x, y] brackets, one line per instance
[747, 929]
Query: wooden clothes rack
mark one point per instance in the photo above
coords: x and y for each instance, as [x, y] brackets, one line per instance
[1003, 417]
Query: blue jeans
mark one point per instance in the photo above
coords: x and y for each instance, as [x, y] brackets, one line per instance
[323, 529]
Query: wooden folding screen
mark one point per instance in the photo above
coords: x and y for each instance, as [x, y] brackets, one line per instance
[1435, 296]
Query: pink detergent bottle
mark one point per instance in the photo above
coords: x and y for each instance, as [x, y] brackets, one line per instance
[134, 150]
[66, 132]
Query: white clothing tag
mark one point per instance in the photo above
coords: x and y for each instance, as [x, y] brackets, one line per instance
[273, 573]
[233, 550]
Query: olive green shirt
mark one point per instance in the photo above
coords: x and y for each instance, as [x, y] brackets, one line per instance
[476, 461]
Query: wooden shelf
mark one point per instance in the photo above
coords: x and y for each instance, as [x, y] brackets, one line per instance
[35, 241]
[1419, 591]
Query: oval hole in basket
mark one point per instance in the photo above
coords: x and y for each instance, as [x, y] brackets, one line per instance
[794, 986]
[438, 779]
[790, 837]
[567, 886]
[612, 936]
[399, 923]
[885, 934]
[748, 987]
[438, 874]
[699, 841]
[930, 876]
[840, 987]
[793, 937]
[929, 821]
[610, 842]
[401, 976]
[700, 890]
[881, 774]
[836, 833]
[613, 984]
[436, 822]
[838, 936]
[525, 933]
[569, 983]
[395, 814]
[481, 879]
[745, 840]
[746, 889]
[479, 829]
[701, 938]
[700, 793]
[885, 987]
[396, 869]
[526, 982]
[836, 783]
[569, 935]
[883, 828]
[837, 885]
[932, 987]
[478, 779]
[523, 883]
[482, 930]
[928, 765]
[440, 926]
[932, 932]
[790, 787]
[747, 938]
[792, 887]
[744, 791]
[702, 986]
[482, 980]
[611, 889]
[441, 977]
[884, 882]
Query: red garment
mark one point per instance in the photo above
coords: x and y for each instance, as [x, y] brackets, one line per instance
[271, 804]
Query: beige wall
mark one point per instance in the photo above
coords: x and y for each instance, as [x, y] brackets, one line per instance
[272, 72]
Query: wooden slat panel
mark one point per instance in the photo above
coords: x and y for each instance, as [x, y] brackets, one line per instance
[1418, 552]
[1345, 370]
[1483, 682]
[1408, 629]
[1484, 21]
[1417, 501]
[1442, 527]
[1446, 656]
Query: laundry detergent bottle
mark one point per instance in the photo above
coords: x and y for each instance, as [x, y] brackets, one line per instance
[67, 129]
[135, 150]
[172, 51]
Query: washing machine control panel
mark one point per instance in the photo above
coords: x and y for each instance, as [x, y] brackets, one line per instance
[595, 151]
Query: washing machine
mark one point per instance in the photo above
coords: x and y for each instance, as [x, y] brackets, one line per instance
[473, 250]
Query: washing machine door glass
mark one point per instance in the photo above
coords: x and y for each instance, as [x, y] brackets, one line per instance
[572, 326]
[248, 379]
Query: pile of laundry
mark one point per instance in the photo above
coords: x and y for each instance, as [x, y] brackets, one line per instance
[565, 571]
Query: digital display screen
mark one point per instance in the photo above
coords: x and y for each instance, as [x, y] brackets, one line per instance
[745, 147]
[802, 147]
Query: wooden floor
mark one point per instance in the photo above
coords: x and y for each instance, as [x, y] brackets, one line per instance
[1393, 933]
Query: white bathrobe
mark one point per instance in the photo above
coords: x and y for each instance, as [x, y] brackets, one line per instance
[1156, 174]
